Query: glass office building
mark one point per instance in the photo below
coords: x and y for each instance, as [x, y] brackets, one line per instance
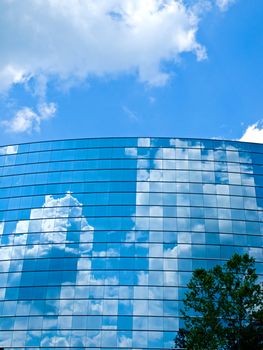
[99, 236]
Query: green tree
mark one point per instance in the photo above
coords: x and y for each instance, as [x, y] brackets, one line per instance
[223, 308]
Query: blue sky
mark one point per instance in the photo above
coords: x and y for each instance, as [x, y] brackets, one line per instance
[93, 68]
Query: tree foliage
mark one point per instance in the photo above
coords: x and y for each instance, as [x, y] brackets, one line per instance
[223, 308]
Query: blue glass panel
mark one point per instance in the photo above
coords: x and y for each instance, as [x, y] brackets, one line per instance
[99, 236]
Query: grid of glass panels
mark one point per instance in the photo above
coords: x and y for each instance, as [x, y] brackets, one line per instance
[99, 236]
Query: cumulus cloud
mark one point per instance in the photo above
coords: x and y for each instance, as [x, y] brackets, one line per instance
[75, 39]
[26, 120]
[254, 133]
[68, 41]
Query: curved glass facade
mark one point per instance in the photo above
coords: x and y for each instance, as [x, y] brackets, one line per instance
[99, 236]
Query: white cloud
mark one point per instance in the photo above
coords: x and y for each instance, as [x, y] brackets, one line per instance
[124, 342]
[73, 39]
[12, 149]
[2, 225]
[11, 75]
[224, 4]
[254, 133]
[57, 215]
[68, 41]
[131, 151]
[26, 120]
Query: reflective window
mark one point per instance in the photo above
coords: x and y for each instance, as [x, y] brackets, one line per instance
[99, 236]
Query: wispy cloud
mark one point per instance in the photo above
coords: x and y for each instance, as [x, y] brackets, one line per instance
[224, 4]
[131, 115]
[254, 133]
[152, 100]
[26, 120]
